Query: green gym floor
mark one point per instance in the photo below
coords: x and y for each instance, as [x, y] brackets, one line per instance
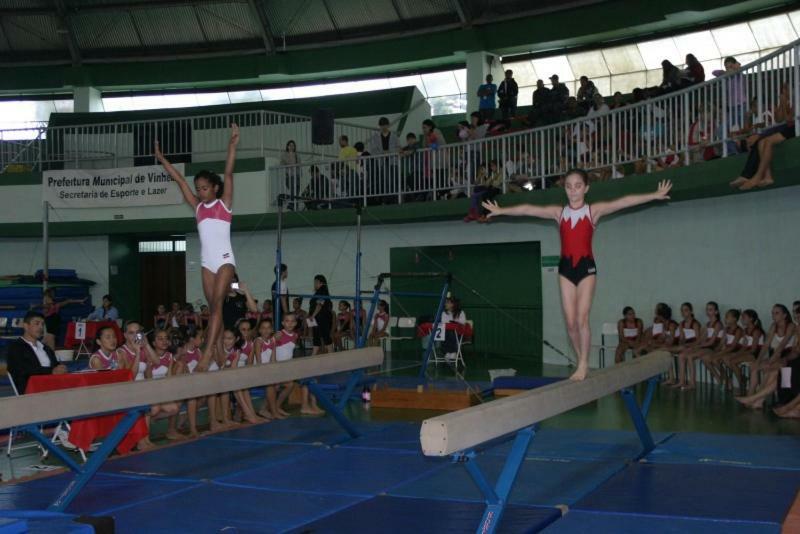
[706, 409]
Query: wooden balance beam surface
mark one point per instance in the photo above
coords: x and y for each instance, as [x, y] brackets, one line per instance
[80, 402]
[464, 429]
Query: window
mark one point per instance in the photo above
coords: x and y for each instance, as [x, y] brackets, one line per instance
[151, 247]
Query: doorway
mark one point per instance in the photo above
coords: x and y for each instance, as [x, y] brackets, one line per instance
[162, 267]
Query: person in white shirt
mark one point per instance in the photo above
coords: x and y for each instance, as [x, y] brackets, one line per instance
[452, 314]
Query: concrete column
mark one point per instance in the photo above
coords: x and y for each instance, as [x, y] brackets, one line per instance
[87, 99]
[479, 64]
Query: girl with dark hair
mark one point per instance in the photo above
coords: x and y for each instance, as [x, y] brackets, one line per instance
[434, 163]
[709, 339]
[291, 160]
[630, 330]
[320, 317]
[694, 73]
[212, 204]
[687, 335]
[661, 333]
[671, 76]
[380, 323]
[729, 343]
[577, 269]
[344, 325]
[751, 344]
[105, 354]
[776, 353]
[452, 314]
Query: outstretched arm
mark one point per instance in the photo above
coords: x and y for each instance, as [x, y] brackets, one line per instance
[230, 161]
[188, 195]
[526, 210]
[601, 209]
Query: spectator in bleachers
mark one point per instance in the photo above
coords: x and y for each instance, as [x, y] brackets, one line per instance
[346, 152]
[105, 312]
[671, 77]
[507, 94]
[737, 93]
[572, 110]
[290, 158]
[559, 95]
[488, 184]
[410, 168]
[617, 101]
[434, 163]
[586, 92]
[385, 169]
[540, 114]
[694, 73]
[318, 188]
[487, 93]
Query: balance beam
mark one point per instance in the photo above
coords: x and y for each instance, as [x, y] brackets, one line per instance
[81, 402]
[470, 427]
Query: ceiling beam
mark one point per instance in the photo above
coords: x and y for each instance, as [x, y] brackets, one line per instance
[120, 6]
[65, 22]
[330, 16]
[463, 12]
[257, 7]
[397, 12]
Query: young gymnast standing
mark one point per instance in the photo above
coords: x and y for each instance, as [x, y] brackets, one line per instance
[212, 204]
[577, 270]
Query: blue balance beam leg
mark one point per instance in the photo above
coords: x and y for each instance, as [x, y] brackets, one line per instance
[331, 408]
[352, 382]
[639, 415]
[85, 473]
[496, 497]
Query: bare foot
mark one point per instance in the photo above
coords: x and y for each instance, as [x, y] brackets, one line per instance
[687, 387]
[765, 182]
[214, 426]
[668, 383]
[580, 373]
[279, 415]
[265, 413]
[757, 405]
[318, 410]
[676, 385]
[145, 444]
[309, 411]
[748, 185]
[738, 182]
[193, 434]
[283, 412]
[175, 436]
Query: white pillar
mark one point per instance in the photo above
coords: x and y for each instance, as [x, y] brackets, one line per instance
[479, 64]
[87, 99]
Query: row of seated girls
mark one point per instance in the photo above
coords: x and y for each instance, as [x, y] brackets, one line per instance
[726, 346]
[165, 353]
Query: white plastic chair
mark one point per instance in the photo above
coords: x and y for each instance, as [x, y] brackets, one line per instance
[608, 330]
[396, 323]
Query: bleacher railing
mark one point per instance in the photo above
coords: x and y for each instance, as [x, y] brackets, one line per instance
[183, 139]
[682, 127]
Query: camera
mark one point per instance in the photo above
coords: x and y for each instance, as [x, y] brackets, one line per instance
[138, 337]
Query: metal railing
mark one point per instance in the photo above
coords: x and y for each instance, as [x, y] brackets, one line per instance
[184, 139]
[681, 127]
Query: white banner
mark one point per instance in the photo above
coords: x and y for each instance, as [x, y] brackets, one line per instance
[106, 188]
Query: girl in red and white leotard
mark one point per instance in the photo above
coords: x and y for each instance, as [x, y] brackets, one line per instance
[751, 345]
[212, 204]
[188, 357]
[709, 339]
[239, 349]
[285, 342]
[158, 367]
[629, 330]
[577, 271]
[661, 334]
[105, 356]
[729, 343]
[687, 336]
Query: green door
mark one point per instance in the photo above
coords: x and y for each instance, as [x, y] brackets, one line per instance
[499, 285]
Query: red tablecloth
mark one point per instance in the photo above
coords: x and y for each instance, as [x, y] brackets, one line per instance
[84, 431]
[91, 330]
[465, 330]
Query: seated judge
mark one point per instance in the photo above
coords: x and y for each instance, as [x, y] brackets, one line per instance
[104, 312]
[28, 356]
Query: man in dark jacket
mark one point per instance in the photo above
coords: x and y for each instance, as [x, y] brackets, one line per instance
[28, 356]
[507, 94]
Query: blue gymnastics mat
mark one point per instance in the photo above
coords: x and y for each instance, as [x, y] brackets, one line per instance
[360, 472]
[580, 444]
[204, 458]
[299, 430]
[401, 515]
[35, 523]
[104, 492]
[214, 508]
[579, 522]
[399, 436]
[772, 452]
[539, 482]
[697, 491]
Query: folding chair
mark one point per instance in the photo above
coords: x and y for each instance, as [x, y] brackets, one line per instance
[461, 342]
[609, 330]
[396, 323]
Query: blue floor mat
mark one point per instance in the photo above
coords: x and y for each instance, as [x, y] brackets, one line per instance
[205, 458]
[578, 522]
[363, 472]
[399, 436]
[103, 493]
[772, 452]
[299, 430]
[402, 515]
[579, 444]
[700, 491]
[43, 525]
[539, 482]
[213, 508]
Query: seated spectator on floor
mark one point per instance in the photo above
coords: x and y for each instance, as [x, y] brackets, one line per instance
[105, 350]
[27, 356]
[630, 330]
[661, 333]
[694, 72]
[104, 312]
[586, 93]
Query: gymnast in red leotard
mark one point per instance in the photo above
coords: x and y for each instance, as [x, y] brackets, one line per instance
[577, 221]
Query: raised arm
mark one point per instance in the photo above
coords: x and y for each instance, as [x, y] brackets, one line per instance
[188, 194]
[524, 210]
[601, 209]
[230, 162]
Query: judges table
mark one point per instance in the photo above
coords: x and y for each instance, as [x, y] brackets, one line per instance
[464, 330]
[92, 327]
[84, 431]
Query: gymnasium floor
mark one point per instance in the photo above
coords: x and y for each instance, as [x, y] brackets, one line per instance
[717, 468]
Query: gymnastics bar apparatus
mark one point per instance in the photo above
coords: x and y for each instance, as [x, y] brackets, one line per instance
[361, 331]
[28, 412]
[457, 434]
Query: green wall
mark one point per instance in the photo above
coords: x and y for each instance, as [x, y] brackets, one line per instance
[124, 284]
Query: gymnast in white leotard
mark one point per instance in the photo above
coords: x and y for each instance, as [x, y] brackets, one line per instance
[212, 204]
